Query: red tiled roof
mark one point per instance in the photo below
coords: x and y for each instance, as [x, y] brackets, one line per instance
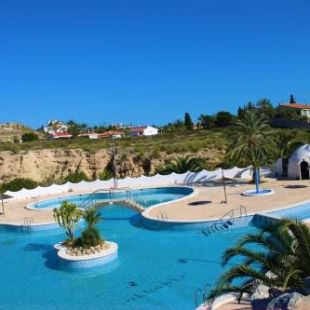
[110, 133]
[297, 106]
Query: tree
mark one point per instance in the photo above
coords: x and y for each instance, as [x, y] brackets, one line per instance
[206, 121]
[223, 119]
[90, 235]
[250, 142]
[265, 108]
[188, 122]
[281, 249]
[67, 217]
[29, 136]
[292, 99]
[182, 165]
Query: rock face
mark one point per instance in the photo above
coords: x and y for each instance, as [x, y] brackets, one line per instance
[55, 164]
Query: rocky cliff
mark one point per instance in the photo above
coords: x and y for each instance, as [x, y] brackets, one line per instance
[54, 164]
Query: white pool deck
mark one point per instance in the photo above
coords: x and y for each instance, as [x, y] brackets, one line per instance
[182, 210]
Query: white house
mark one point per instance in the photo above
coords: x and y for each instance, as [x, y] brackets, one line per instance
[298, 164]
[302, 109]
[143, 131]
[55, 126]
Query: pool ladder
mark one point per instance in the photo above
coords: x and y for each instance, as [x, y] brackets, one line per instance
[162, 218]
[226, 221]
[202, 293]
[28, 221]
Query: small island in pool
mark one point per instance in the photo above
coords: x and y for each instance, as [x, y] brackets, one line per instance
[89, 249]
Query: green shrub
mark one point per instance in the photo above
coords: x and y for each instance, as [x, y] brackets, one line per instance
[105, 175]
[18, 184]
[29, 136]
[76, 177]
[89, 237]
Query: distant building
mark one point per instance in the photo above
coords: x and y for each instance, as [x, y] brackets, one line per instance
[60, 135]
[302, 109]
[55, 126]
[143, 131]
[113, 134]
[298, 165]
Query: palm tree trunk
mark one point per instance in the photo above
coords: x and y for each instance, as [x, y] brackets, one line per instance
[256, 172]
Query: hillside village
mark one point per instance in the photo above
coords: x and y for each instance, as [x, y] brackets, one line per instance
[286, 115]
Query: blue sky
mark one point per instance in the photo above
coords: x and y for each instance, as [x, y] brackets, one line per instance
[148, 61]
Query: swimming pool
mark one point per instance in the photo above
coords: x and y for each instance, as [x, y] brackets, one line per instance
[155, 269]
[145, 197]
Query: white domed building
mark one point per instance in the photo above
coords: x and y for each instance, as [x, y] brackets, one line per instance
[299, 163]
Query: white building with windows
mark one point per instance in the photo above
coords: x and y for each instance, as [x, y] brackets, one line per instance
[302, 109]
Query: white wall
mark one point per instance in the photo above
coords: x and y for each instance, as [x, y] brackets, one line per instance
[187, 178]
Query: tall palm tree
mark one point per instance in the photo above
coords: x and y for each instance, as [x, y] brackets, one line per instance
[279, 258]
[285, 144]
[183, 164]
[251, 137]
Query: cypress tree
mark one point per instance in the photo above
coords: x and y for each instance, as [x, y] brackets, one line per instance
[188, 122]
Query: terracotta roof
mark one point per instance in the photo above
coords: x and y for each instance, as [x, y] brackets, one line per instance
[110, 133]
[297, 106]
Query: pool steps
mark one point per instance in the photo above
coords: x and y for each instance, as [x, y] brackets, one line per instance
[226, 221]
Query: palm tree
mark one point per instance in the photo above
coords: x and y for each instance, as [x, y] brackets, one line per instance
[277, 256]
[90, 235]
[251, 138]
[285, 144]
[182, 165]
[67, 216]
[92, 217]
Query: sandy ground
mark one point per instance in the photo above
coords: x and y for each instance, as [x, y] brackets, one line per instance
[15, 211]
[183, 210]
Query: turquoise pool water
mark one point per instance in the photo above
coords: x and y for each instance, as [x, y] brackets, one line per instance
[155, 269]
[146, 197]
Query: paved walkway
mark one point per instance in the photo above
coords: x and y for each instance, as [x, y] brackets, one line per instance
[184, 210]
[214, 208]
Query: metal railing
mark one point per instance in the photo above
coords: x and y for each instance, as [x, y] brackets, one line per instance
[162, 218]
[28, 221]
[202, 293]
[226, 220]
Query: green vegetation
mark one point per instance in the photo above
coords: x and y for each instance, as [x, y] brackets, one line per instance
[29, 137]
[67, 217]
[76, 177]
[250, 142]
[90, 236]
[182, 165]
[18, 184]
[281, 249]
[188, 123]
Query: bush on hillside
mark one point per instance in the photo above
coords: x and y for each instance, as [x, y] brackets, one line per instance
[29, 136]
[76, 177]
[18, 184]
